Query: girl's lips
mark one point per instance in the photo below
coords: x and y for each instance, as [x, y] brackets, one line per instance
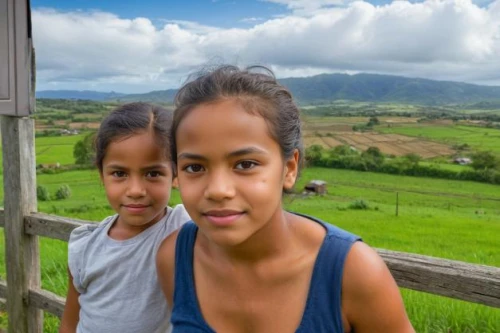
[135, 209]
[222, 218]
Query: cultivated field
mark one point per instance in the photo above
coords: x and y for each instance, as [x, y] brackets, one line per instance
[390, 144]
[335, 131]
[477, 137]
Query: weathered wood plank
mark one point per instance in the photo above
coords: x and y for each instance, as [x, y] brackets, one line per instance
[3, 305]
[3, 295]
[47, 301]
[40, 299]
[455, 279]
[21, 250]
[51, 226]
[3, 289]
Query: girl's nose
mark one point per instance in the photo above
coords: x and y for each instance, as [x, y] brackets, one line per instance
[219, 187]
[136, 188]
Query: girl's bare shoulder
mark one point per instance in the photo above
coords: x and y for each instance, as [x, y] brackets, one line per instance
[310, 231]
[370, 297]
[165, 265]
[166, 251]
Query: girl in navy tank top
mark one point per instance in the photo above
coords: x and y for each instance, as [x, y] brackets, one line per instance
[245, 264]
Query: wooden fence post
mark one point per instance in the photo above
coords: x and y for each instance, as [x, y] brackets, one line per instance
[397, 203]
[21, 249]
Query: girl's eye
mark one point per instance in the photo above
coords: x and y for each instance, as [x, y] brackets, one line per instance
[193, 168]
[118, 174]
[245, 165]
[153, 174]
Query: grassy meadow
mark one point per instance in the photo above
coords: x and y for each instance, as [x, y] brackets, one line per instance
[59, 149]
[477, 137]
[457, 220]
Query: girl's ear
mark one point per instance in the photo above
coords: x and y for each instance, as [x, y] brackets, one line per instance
[291, 170]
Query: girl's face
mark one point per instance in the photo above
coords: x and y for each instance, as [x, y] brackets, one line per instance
[230, 171]
[137, 178]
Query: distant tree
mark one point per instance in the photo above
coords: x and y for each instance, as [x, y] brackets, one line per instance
[373, 121]
[484, 160]
[373, 157]
[374, 151]
[83, 151]
[461, 147]
[343, 150]
[413, 158]
[314, 154]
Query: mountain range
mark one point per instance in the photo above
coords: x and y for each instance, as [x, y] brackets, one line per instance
[79, 94]
[326, 88]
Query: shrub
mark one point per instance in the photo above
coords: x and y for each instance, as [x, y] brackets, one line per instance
[63, 192]
[42, 193]
[359, 204]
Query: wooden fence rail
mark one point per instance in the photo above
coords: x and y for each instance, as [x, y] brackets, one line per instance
[455, 279]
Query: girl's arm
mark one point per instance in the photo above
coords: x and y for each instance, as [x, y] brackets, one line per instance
[71, 314]
[165, 267]
[371, 301]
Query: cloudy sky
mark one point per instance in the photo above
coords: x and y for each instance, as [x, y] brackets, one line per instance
[138, 46]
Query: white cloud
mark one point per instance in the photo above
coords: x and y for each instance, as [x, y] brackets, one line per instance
[307, 4]
[445, 39]
[252, 19]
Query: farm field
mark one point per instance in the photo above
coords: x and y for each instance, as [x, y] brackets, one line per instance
[353, 107]
[330, 132]
[389, 144]
[450, 219]
[477, 137]
[51, 150]
[55, 149]
[394, 136]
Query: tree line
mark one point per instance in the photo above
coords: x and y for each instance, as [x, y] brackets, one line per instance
[485, 165]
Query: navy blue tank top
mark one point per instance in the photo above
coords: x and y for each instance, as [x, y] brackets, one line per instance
[322, 312]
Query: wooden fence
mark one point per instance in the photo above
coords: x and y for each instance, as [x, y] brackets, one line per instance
[455, 279]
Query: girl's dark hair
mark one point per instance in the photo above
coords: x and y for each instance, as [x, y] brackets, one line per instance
[258, 91]
[129, 119]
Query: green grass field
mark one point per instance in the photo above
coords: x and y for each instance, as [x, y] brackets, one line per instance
[479, 138]
[52, 150]
[436, 217]
[59, 149]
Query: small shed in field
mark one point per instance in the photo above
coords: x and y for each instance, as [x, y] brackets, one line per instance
[316, 186]
[462, 160]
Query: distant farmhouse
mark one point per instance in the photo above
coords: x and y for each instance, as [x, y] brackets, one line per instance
[316, 186]
[69, 132]
[462, 160]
